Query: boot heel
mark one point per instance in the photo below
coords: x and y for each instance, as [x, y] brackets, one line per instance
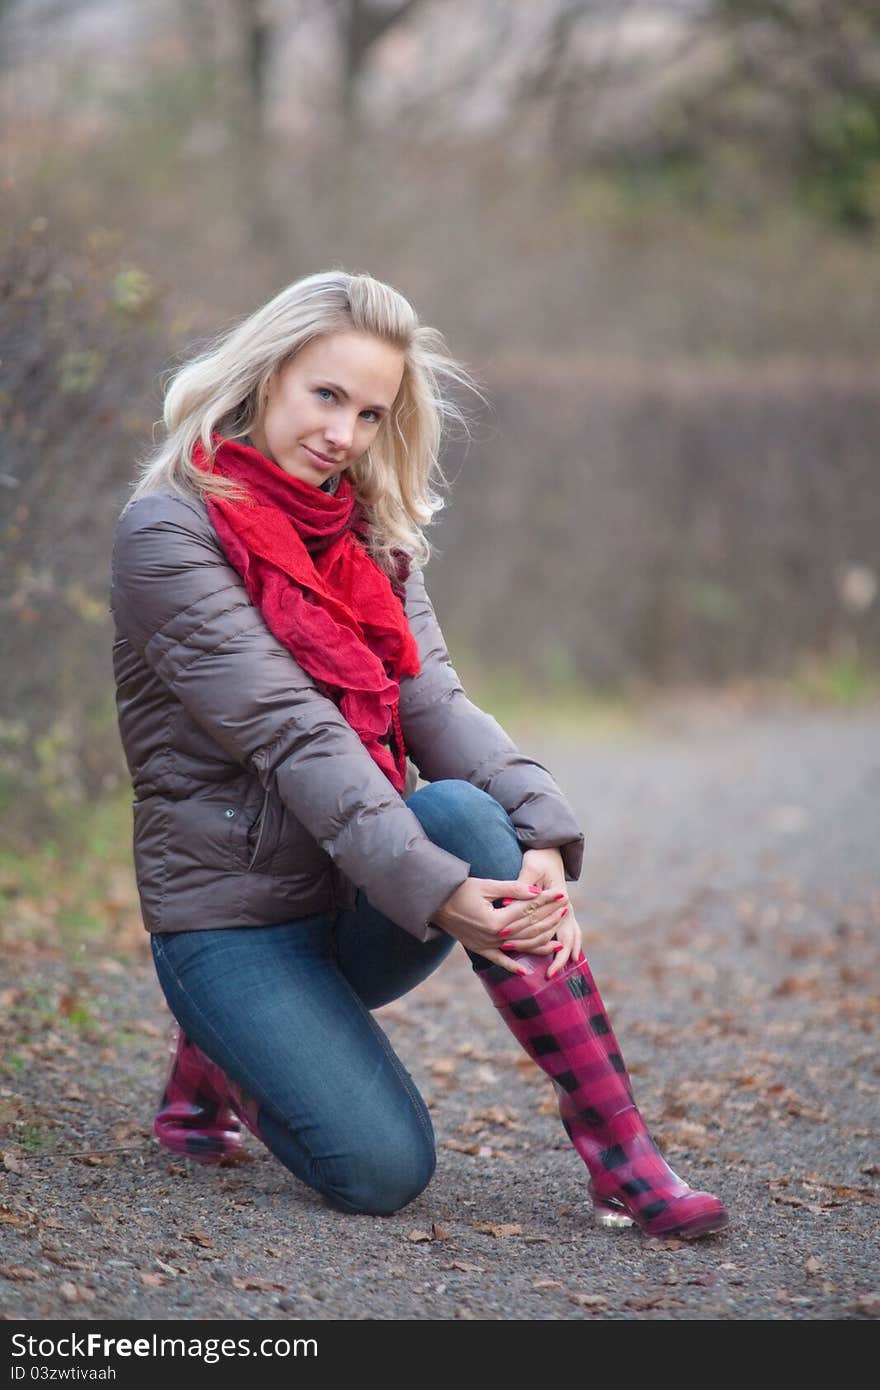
[194, 1119]
[611, 1216]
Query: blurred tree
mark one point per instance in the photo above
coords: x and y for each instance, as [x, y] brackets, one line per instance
[793, 104]
[360, 24]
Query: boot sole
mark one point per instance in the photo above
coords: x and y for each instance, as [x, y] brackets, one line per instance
[189, 1148]
[614, 1218]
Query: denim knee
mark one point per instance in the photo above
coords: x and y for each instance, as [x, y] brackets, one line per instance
[469, 822]
[379, 1184]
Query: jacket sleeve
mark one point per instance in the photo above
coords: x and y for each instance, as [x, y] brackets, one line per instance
[448, 736]
[181, 605]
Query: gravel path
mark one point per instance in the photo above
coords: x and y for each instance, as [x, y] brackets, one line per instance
[730, 904]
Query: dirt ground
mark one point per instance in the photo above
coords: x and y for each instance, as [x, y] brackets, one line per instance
[730, 904]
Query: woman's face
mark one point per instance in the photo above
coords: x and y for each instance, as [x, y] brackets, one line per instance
[325, 406]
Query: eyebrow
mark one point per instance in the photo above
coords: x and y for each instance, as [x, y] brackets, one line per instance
[384, 409]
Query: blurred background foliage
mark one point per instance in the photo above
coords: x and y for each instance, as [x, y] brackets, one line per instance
[650, 229]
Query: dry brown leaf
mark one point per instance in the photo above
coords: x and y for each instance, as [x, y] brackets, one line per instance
[813, 1265]
[152, 1281]
[199, 1238]
[547, 1284]
[475, 1150]
[70, 1293]
[657, 1300]
[443, 1066]
[18, 1273]
[418, 1236]
[61, 1258]
[464, 1267]
[492, 1228]
[589, 1300]
[872, 1169]
[12, 1162]
[12, 1218]
[528, 1070]
[868, 1304]
[259, 1285]
[438, 1232]
[498, 1115]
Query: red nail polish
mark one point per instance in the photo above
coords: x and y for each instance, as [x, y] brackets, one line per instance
[505, 931]
[533, 888]
[505, 902]
[558, 896]
[564, 913]
[558, 945]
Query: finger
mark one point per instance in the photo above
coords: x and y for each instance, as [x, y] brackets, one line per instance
[530, 948]
[511, 888]
[571, 949]
[538, 935]
[537, 925]
[499, 958]
[520, 917]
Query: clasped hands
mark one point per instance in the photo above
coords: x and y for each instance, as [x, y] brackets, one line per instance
[537, 922]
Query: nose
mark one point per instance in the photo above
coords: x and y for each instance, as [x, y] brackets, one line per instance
[339, 432]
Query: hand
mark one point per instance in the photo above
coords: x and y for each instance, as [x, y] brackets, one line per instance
[545, 868]
[530, 913]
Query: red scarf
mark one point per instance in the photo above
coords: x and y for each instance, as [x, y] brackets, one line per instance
[302, 556]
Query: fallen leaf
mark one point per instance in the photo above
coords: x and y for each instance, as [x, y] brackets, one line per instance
[547, 1284]
[418, 1236]
[491, 1228]
[868, 1304]
[18, 1273]
[11, 1162]
[70, 1293]
[60, 1257]
[438, 1232]
[464, 1267]
[199, 1238]
[589, 1300]
[152, 1281]
[458, 1147]
[259, 1285]
[813, 1265]
[529, 1070]
[443, 1066]
[12, 1218]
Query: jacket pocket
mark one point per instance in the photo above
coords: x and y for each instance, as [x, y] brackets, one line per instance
[264, 834]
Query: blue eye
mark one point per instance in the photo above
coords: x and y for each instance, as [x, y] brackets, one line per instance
[325, 390]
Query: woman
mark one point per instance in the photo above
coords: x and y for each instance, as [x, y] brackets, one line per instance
[277, 663]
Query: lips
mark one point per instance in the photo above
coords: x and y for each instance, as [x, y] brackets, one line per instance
[321, 459]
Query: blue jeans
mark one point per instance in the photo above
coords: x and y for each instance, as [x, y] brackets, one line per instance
[285, 1011]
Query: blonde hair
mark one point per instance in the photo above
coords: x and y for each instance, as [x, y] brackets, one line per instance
[223, 390]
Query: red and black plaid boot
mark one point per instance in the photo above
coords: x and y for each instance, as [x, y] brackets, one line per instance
[200, 1108]
[563, 1026]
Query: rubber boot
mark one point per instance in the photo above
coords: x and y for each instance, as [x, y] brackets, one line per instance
[200, 1108]
[563, 1026]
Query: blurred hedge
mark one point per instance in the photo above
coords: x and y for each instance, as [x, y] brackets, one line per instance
[669, 524]
[83, 339]
[611, 522]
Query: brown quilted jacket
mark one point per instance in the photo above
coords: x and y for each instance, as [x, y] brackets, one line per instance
[255, 802]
